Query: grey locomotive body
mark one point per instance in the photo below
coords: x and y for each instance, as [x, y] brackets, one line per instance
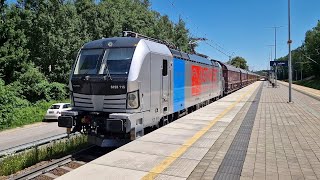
[121, 86]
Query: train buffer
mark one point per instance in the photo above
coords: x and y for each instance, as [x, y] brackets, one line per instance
[252, 133]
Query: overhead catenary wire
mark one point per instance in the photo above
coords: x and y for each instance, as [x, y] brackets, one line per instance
[217, 49]
[211, 43]
[310, 59]
[217, 44]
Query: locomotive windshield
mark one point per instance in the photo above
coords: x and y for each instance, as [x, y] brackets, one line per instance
[89, 61]
[104, 61]
[118, 61]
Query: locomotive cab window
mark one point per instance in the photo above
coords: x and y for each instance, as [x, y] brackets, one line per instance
[164, 67]
[109, 61]
[117, 61]
[89, 61]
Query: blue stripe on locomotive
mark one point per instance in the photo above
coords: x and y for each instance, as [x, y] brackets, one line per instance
[178, 84]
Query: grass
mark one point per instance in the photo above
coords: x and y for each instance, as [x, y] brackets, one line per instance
[16, 162]
[313, 83]
[27, 115]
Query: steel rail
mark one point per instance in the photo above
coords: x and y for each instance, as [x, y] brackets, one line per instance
[48, 167]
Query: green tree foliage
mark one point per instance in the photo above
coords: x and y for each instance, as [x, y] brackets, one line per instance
[40, 39]
[306, 58]
[181, 38]
[9, 101]
[13, 41]
[1, 5]
[239, 62]
[312, 49]
[299, 64]
[54, 36]
[33, 86]
[89, 20]
[164, 28]
[49, 33]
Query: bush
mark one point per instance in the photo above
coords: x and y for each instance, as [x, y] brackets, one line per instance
[57, 91]
[51, 91]
[33, 86]
[27, 99]
[8, 103]
[15, 117]
[8, 97]
[28, 83]
[312, 83]
[15, 111]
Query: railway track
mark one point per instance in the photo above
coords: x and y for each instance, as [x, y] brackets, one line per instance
[63, 165]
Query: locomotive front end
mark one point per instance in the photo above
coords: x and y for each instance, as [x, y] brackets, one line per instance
[103, 101]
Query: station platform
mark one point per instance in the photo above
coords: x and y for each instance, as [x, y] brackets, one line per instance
[252, 133]
[306, 90]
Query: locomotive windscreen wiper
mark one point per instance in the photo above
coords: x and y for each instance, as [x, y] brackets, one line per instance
[108, 72]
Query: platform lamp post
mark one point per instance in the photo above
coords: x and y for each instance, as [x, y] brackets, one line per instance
[289, 46]
[275, 50]
[271, 58]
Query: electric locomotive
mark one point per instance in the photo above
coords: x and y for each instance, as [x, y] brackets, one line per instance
[121, 86]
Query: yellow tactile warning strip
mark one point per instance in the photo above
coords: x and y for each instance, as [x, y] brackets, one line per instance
[158, 169]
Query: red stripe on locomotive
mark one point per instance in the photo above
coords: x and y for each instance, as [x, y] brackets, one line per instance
[203, 79]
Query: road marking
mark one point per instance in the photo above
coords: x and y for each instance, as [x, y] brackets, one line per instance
[155, 171]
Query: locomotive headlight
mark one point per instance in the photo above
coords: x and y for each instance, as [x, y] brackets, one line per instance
[133, 100]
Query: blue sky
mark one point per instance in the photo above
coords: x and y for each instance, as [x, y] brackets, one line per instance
[241, 26]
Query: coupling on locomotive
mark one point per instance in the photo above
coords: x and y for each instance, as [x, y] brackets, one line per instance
[121, 86]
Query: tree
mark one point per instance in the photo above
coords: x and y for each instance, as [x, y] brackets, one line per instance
[306, 57]
[13, 41]
[49, 33]
[312, 48]
[89, 20]
[1, 5]
[145, 3]
[239, 62]
[53, 37]
[36, 34]
[164, 28]
[181, 38]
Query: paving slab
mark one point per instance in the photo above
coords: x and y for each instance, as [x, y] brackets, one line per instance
[182, 125]
[181, 167]
[285, 136]
[128, 160]
[144, 147]
[309, 91]
[165, 138]
[167, 177]
[175, 150]
[96, 171]
[196, 153]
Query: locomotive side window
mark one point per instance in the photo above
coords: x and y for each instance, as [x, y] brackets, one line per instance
[164, 67]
